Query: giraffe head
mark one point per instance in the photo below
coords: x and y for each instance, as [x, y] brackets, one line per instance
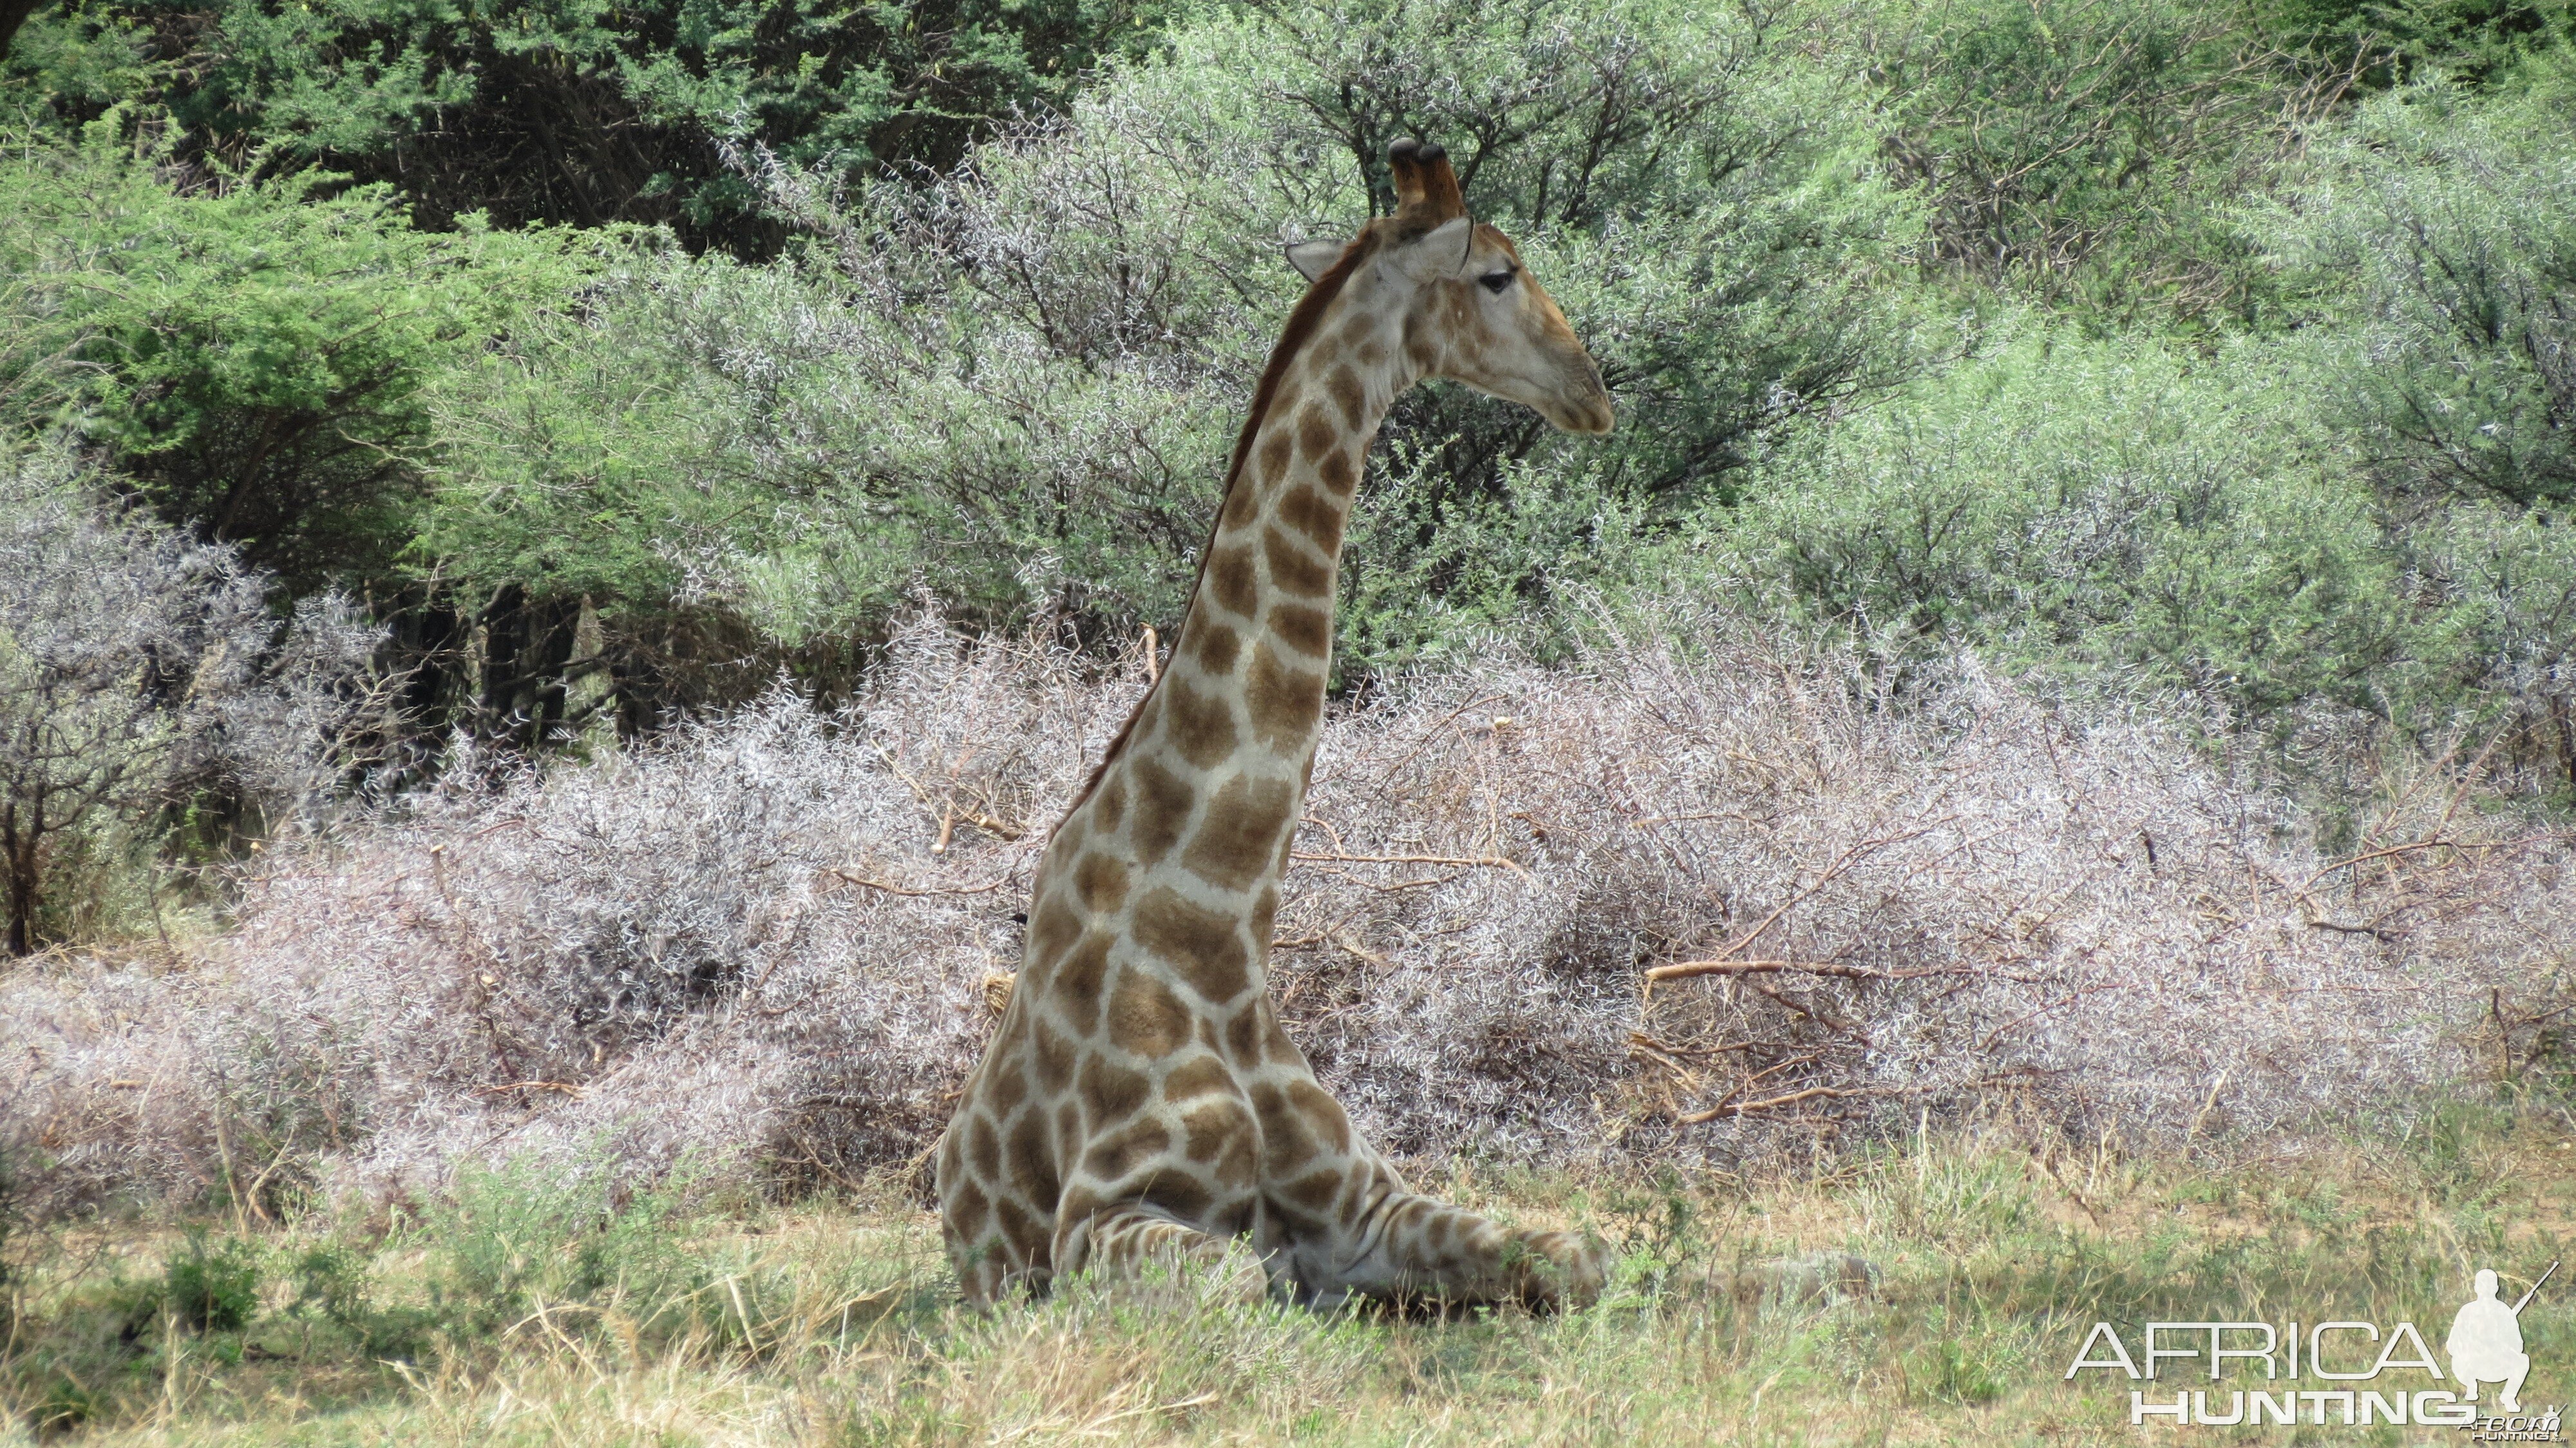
[1471, 311]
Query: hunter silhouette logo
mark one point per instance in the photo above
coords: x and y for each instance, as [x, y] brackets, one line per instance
[2486, 1342]
[2362, 1375]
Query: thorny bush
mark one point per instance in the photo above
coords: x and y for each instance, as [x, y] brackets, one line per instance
[1702, 897]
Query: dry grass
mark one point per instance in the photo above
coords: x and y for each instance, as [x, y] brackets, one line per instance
[770, 945]
[841, 1326]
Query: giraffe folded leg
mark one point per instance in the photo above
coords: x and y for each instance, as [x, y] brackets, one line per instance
[1417, 1248]
[1134, 1241]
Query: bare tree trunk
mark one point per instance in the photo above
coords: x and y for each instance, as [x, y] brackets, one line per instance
[20, 848]
[2562, 715]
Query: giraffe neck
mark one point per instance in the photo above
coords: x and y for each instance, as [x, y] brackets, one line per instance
[1259, 630]
[1204, 793]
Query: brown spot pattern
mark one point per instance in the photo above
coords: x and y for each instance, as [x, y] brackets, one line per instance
[1243, 1036]
[1214, 646]
[1292, 569]
[1101, 882]
[1230, 575]
[1344, 388]
[1201, 944]
[1200, 726]
[1052, 930]
[1078, 981]
[1032, 1161]
[1208, 1128]
[983, 1145]
[1176, 1192]
[1286, 1144]
[1053, 1055]
[1114, 1156]
[1113, 1093]
[1286, 701]
[1027, 1235]
[1006, 1087]
[1241, 829]
[1200, 1076]
[1314, 514]
[1315, 1190]
[1162, 811]
[1145, 1018]
[1316, 435]
[1324, 1115]
[968, 1212]
[1307, 630]
[1276, 1045]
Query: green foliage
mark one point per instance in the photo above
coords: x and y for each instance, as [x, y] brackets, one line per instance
[2085, 150]
[512, 1236]
[2445, 229]
[2111, 508]
[573, 111]
[1010, 384]
[252, 352]
[1017, 390]
[756, 440]
[1949, 1373]
[2393, 40]
[212, 1289]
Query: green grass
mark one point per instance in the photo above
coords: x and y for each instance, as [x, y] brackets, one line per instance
[522, 1312]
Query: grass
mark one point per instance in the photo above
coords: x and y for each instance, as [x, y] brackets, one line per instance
[526, 1311]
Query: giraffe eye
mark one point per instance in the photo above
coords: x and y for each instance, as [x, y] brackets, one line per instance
[1495, 281]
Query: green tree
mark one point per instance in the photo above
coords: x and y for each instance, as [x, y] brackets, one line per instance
[2435, 240]
[1015, 384]
[2087, 150]
[584, 112]
[253, 352]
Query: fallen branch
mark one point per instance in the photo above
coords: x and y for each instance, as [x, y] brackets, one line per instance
[849, 878]
[1774, 1103]
[1684, 970]
[2414, 846]
[2376, 932]
[1491, 862]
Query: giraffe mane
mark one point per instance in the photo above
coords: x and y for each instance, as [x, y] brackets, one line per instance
[1300, 329]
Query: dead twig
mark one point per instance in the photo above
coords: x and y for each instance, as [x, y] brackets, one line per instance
[862, 880]
[1774, 1103]
[1686, 969]
[1489, 862]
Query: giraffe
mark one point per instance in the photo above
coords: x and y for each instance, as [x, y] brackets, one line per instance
[1138, 1101]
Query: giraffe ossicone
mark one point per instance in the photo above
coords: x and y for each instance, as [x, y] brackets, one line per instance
[1139, 1101]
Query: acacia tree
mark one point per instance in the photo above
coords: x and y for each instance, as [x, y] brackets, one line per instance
[136, 662]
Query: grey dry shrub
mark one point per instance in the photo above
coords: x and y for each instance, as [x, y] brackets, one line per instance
[137, 664]
[772, 944]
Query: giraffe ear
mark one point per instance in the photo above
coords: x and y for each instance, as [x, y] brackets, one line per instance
[1440, 252]
[1314, 258]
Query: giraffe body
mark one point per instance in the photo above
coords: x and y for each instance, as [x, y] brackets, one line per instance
[1139, 1100]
